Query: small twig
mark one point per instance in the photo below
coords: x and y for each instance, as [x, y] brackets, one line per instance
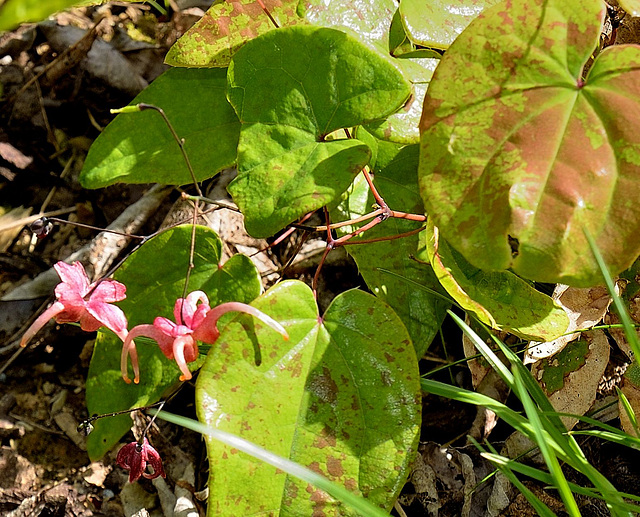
[266, 11]
[180, 141]
[25, 221]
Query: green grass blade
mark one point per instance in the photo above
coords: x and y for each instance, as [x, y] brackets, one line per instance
[629, 329]
[359, 504]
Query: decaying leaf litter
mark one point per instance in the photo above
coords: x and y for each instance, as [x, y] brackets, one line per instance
[47, 128]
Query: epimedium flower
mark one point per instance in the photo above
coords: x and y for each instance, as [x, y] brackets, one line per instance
[135, 457]
[78, 300]
[179, 340]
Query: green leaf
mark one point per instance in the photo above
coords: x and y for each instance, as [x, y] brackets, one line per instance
[402, 127]
[139, 148]
[369, 21]
[396, 179]
[520, 154]
[438, 22]
[291, 88]
[499, 299]
[154, 277]
[15, 12]
[225, 27]
[342, 396]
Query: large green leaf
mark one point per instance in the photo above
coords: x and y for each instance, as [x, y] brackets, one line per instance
[291, 88]
[436, 23]
[139, 148]
[154, 276]
[342, 397]
[225, 27]
[396, 179]
[520, 154]
[500, 299]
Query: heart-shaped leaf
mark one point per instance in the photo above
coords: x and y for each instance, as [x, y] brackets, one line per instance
[436, 23]
[342, 397]
[501, 299]
[15, 12]
[291, 88]
[396, 179]
[520, 154]
[225, 27]
[139, 148]
[154, 277]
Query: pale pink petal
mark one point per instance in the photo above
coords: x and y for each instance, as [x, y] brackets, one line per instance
[74, 276]
[166, 326]
[208, 332]
[108, 315]
[108, 291]
[55, 309]
[184, 347]
[72, 298]
[185, 308]
[129, 349]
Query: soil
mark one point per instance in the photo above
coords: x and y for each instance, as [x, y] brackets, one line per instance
[51, 110]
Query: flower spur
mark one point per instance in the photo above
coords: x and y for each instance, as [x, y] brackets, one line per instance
[193, 322]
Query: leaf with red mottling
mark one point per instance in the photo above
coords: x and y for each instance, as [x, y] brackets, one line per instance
[341, 397]
[520, 154]
[225, 27]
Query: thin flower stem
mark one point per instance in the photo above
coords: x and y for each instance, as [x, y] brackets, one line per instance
[387, 238]
[266, 11]
[180, 141]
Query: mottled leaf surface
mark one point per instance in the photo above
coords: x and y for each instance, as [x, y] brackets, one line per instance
[225, 27]
[139, 148]
[154, 276]
[291, 88]
[499, 299]
[436, 23]
[396, 179]
[342, 397]
[520, 154]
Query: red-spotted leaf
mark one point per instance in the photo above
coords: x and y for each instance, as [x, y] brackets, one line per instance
[520, 154]
[436, 23]
[341, 397]
[225, 27]
[291, 88]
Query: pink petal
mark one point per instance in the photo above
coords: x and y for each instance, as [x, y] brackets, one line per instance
[185, 308]
[108, 315]
[55, 309]
[129, 350]
[88, 322]
[184, 349]
[74, 276]
[108, 291]
[166, 326]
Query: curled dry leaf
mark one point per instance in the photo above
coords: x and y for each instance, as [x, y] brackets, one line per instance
[585, 307]
[571, 378]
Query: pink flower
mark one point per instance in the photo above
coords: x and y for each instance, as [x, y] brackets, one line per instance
[194, 322]
[78, 300]
[135, 458]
